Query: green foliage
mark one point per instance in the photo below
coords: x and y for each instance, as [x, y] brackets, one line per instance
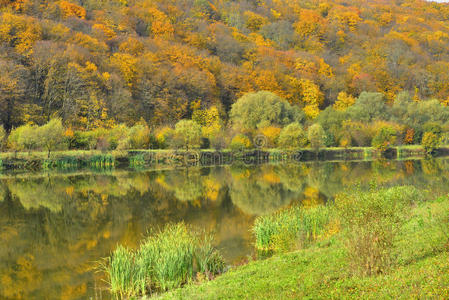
[102, 161]
[189, 132]
[430, 141]
[373, 219]
[385, 138]
[164, 261]
[292, 136]
[2, 137]
[316, 136]
[368, 107]
[51, 135]
[290, 228]
[24, 138]
[263, 109]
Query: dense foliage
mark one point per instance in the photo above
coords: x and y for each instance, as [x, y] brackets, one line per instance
[345, 64]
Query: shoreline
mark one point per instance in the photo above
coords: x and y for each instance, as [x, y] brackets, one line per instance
[142, 159]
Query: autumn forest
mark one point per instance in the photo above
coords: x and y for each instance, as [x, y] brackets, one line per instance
[101, 63]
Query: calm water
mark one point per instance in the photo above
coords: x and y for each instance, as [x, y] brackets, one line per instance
[55, 227]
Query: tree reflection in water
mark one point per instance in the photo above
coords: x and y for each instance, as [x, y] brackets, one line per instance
[54, 227]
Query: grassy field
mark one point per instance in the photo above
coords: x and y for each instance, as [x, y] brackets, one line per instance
[323, 271]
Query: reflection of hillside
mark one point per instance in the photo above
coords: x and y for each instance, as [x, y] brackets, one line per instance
[55, 227]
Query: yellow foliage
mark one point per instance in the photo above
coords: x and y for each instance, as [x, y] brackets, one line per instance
[20, 32]
[325, 69]
[127, 64]
[254, 21]
[271, 178]
[310, 23]
[72, 10]
[103, 29]
[344, 101]
[271, 133]
[312, 97]
[160, 23]
[132, 46]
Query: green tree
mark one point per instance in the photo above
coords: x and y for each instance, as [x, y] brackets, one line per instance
[384, 138]
[51, 135]
[292, 136]
[316, 136]
[2, 136]
[368, 107]
[24, 138]
[430, 141]
[263, 109]
[189, 132]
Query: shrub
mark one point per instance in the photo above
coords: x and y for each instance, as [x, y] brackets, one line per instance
[373, 219]
[430, 141]
[292, 136]
[239, 142]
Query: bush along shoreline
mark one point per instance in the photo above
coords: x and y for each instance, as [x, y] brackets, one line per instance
[368, 242]
[140, 159]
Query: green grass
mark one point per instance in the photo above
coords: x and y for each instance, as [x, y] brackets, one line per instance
[164, 261]
[323, 271]
[290, 228]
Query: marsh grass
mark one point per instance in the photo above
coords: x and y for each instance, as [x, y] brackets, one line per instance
[290, 228]
[101, 161]
[165, 260]
[62, 163]
[137, 161]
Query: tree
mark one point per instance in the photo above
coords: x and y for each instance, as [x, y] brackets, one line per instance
[384, 138]
[430, 142]
[189, 132]
[239, 142]
[2, 136]
[51, 135]
[316, 136]
[262, 109]
[139, 137]
[343, 101]
[368, 107]
[24, 138]
[292, 136]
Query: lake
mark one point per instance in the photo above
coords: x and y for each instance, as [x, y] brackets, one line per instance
[56, 227]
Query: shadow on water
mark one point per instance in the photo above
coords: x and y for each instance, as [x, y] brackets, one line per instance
[54, 227]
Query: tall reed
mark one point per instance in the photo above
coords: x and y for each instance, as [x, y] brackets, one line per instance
[102, 161]
[136, 161]
[281, 231]
[165, 260]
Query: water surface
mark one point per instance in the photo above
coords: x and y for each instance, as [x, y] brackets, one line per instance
[54, 228]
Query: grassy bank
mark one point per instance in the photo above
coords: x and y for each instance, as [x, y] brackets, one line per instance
[410, 238]
[154, 158]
